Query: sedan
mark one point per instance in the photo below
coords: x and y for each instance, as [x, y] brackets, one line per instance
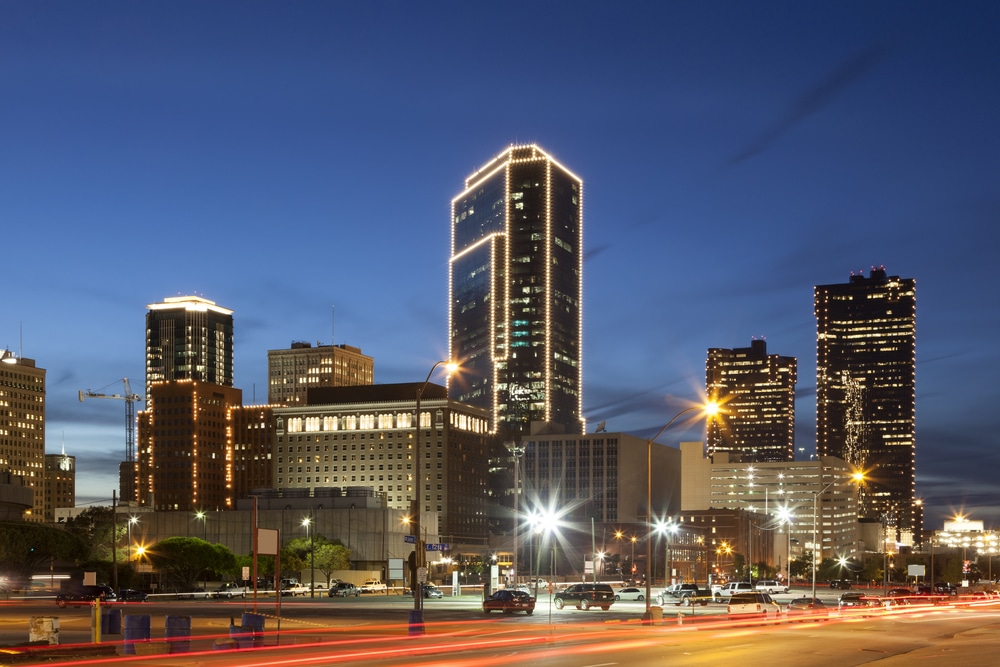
[131, 595]
[509, 601]
[806, 607]
[630, 594]
[857, 600]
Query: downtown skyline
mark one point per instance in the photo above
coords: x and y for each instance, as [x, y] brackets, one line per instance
[296, 163]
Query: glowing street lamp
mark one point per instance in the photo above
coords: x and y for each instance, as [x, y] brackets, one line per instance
[667, 529]
[709, 409]
[857, 478]
[311, 536]
[416, 626]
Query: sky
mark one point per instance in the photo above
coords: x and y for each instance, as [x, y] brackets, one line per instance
[296, 161]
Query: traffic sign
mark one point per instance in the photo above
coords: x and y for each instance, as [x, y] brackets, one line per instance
[438, 547]
[410, 539]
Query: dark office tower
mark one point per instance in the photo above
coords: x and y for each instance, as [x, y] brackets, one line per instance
[189, 338]
[516, 291]
[757, 391]
[865, 363]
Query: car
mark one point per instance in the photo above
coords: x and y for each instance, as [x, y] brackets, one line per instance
[429, 590]
[372, 586]
[840, 584]
[508, 601]
[731, 589]
[131, 595]
[193, 594]
[770, 586]
[945, 588]
[752, 605]
[630, 593]
[343, 589]
[685, 594]
[849, 600]
[230, 591]
[809, 607]
[898, 596]
[86, 595]
[585, 596]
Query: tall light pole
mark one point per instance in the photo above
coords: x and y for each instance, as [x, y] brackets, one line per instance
[201, 516]
[667, 529]
[517, 450]
[132, 520]
[708, 409]
[785, 517]
[420, 555]
[311, 536]
[856, 477]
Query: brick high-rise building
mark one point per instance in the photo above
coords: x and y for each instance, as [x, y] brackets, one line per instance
[22, 425]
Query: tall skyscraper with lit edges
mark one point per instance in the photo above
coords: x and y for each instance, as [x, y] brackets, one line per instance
[865, 379]
[758, 392]
[516, 291]
[189, 338]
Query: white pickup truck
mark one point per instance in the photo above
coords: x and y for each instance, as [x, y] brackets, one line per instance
[302, 589]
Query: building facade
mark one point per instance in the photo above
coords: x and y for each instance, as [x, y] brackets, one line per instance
[292, 372]
[807, 503]
[60, 484]
[516, 291]
[189, 338]
[757, 391]
[184, 458]
[865, 389]
[252, 437]
[22, 426]
[363, 438]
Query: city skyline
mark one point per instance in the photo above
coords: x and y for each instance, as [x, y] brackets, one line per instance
[295, 163]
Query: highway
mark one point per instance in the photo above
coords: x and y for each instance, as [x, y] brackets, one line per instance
[374, 629]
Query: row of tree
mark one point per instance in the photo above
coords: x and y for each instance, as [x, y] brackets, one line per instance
[93, 542]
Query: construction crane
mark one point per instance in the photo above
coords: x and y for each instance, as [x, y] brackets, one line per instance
[130, 399]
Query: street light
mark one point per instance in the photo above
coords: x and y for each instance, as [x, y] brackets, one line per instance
[311, 536]
[420, 556]
[201, 516]
[128, 550]
[856, 477]
[709, 409]
[785, 516]
[667, 529]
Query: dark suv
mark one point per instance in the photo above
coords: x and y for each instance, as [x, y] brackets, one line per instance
[688, 594]
[585, 596]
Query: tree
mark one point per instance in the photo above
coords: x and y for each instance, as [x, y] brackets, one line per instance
[26, 547]
[183, 560]
[94, 527]
[331, 557]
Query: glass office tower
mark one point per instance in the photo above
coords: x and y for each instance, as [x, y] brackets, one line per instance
[189, 338]
[865, 372]
[516, 291]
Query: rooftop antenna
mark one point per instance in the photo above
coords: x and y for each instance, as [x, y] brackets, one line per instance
[333, 322]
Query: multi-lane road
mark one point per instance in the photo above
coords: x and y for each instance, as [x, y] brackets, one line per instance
[374, 629]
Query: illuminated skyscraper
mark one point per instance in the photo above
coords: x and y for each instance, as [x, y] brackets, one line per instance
[22, 426]
[758, 392]
[516, 291]
[865, 370]
[189, 338]
[292, 372]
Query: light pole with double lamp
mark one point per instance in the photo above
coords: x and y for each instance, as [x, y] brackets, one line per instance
[416, 626]
[709, 409]
[311, 536]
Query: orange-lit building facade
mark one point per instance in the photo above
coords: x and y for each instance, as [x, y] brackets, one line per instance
[22, 426]
[251, 435]
[184, 458]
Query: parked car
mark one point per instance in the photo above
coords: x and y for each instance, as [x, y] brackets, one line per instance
[508, 601]
[432, 591]
[685, 594]
[731, 589]
[372, 586]
[585, 596]
[752, 605]
[841, 584]
[343, 589]
[630, 593]
[131, 595]
[193, 594]
[945, 588]
[807, 607]
[86, 595]
[230, 591]
[770, 586]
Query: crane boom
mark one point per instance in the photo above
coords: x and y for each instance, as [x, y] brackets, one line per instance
[130, 399]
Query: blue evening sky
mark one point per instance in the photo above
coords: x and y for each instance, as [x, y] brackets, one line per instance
[286, 159]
